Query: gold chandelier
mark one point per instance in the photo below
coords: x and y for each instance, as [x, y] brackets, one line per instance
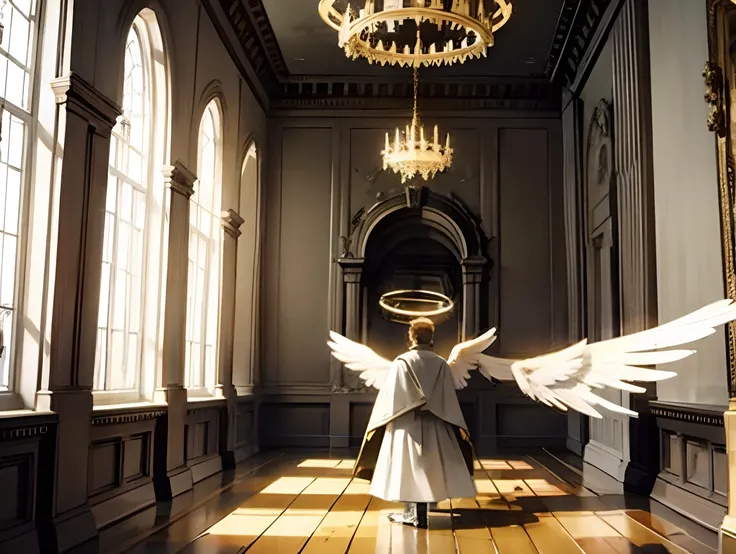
[415, 154]
[443, 36]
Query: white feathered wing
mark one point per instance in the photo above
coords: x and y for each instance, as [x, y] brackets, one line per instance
[358, 357]
[567, 378]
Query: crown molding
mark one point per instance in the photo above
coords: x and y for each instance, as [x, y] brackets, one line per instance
[244, 28]
[582, 29]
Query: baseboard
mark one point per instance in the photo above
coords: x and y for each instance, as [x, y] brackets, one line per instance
[207, 467]
[25, 542]
[123, 505]
[601, 458]
[575, 446]
[727, 537]
[74, 528]
[180, 480]
[692, 506]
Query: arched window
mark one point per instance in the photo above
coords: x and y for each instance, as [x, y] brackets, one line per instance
[17, 54]
[205, 239]
[131, 261]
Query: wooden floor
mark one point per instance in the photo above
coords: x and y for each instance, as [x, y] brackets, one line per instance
[313, 506]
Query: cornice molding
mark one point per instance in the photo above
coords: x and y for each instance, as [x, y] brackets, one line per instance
[75, 91]
[231, 222]
[700, 414]
[179, 179]
[581, 26]
[247, 21]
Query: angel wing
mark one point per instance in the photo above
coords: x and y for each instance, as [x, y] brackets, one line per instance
[567, 378]
[466, 356]
[358, 357]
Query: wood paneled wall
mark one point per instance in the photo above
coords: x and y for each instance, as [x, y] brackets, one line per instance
[321, 171]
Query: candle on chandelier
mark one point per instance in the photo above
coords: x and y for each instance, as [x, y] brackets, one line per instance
[397, 141]
[436, 136]
[447, 144]
[421, 140]
[388, 146]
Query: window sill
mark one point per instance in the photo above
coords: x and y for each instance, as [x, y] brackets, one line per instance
[128, 407]
[12, 402]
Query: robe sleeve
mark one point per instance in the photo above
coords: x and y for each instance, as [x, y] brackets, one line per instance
[400, 394]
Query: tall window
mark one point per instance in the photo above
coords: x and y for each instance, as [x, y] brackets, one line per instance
[205, 239]
[16, 60]
[133, 219]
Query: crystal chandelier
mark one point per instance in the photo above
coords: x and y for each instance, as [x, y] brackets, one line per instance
[415, 154]
[384, 31]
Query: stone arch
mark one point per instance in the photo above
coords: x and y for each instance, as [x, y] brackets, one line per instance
[447, 214]
[455, 227]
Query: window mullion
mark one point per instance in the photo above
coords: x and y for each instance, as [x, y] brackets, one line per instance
[206, 308]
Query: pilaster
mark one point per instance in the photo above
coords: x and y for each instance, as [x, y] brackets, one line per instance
[635, 197]
[728, 527]
[472, 269]
[575, 229]
[88, 118]
[227, 379]
[171, 474]
[352, 270]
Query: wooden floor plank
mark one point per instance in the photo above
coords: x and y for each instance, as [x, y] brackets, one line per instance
[550, 537]
[637, 533]
[512, 539]
[373, 528]
[243, 527]
[295, 526]
[589, 531]
[471, 540]
[316, 507]
[337, 529]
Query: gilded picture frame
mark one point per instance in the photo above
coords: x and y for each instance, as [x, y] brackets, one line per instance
[720, 92]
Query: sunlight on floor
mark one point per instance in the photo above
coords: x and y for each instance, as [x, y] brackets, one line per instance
[325, 511]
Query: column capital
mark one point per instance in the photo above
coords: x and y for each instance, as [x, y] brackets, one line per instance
[179, 179]
[73, 91]
[231, 222]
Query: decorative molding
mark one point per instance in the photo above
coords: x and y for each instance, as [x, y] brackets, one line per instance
[580, 29]
[28, 431]
[72, 89]
[231, 222]
[121, 418]
[690, 414]
[179, 179]
[247, 21]
[714, 96]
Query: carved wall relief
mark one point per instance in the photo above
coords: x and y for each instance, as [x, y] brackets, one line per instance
[720, 93]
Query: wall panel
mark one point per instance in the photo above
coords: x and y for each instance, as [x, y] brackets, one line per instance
[525, 235]
[321, 172]
[306, 180]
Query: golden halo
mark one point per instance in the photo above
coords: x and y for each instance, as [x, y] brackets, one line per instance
[478, 30]
[397, 297]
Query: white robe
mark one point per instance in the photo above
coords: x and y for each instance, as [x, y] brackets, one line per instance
[418, 414]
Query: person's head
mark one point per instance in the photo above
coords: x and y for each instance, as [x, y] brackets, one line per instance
[421, 332]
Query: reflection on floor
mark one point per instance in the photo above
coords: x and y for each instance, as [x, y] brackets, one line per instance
[295, 504]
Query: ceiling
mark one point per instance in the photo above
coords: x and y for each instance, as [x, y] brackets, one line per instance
[309, 46]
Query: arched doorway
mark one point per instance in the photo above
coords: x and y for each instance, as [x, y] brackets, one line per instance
[412, 238]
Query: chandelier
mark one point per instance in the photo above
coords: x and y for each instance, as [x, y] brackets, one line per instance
[423, 34]
[415, 154]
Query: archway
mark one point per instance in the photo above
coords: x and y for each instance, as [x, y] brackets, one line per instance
[411, 235]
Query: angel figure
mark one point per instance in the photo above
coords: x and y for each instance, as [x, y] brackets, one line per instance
[416, 448]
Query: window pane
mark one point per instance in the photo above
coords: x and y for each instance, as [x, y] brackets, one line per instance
[20, 34]
[204, 271]
[127, 200]
[7, 322]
